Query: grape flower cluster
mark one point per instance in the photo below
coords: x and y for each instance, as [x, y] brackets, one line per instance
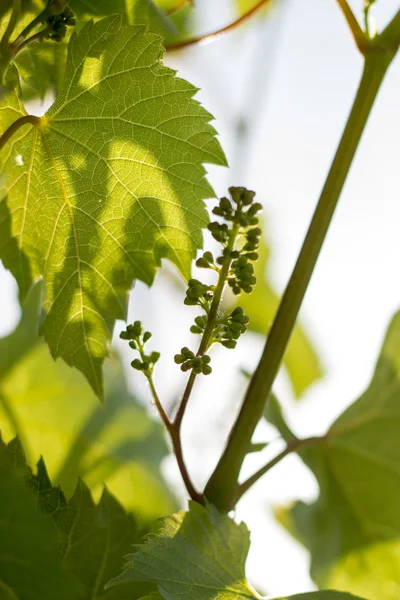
[138, 339]
[239, 223]
[57, 18]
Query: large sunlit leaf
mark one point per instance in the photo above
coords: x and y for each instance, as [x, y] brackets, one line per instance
[56, 415]
[198, 554]
[301, 360]
[109, 183]
[353, 529]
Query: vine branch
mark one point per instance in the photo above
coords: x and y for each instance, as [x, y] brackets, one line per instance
[15, 16]
[293, 446]
[28, 119]
[359, 36]
[210, 37]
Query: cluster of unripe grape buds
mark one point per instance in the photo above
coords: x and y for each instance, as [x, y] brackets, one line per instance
[232, 328]
[244, 217]
[197, 293]
[188, 361]
[137, 339]
[59, 19]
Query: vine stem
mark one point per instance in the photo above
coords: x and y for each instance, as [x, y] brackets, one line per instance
[359, 36]
[28, 119]
[5, 48]
[27, 41]
[293, 446]
[212, 315]
[221, 490]
[15, 15]
[210, 37]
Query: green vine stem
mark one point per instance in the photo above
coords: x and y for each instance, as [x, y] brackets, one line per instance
[206, 337]
[293, 446]
[222, 488]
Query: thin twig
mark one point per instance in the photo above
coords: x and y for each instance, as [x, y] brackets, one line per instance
[358, 34]
[37, 36]
[15, 15]
[40, 19]
[293, 446]
[210, 37]
[212, 315]
[28, 119]
[174, 433]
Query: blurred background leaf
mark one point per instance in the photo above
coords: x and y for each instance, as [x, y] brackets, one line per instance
[353, 530]
[55, 414]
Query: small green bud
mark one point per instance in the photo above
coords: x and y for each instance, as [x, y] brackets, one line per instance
[133, 345]
[186, 366]
[186, 352]
[229, 344]
[124, 335]
[137, 364]
[179, 359]
[201, 321]
[208, 257]
[196, 330]
[206, 369]
[146, 336]
[252, 256]
[154, 357]
[218, 211]
[145, 365]
[202, 263]
[206, 359]
[225, 205]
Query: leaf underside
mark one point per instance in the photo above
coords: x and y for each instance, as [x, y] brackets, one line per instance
[111, 182]
[353, 530]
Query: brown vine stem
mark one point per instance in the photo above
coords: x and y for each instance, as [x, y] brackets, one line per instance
[293, 446]
[210, 37]
[27, 120]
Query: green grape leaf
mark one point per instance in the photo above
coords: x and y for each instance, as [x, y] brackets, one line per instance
[198, 554]
[111, 182]
[353, 529]
[55, 414]
[92, 538]
[301, 361]
[30, 565]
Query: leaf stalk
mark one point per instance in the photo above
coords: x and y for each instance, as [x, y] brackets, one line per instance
[210, 37]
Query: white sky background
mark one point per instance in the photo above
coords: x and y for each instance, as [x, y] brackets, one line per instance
[311, 69]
